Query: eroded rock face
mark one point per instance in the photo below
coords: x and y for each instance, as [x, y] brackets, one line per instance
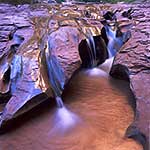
[134, 56]
[39, 52]
[34, 39]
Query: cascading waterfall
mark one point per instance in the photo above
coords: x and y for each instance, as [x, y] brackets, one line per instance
[55, 74]
[66, 118]
[116, 38]
[59, 102]
[92, 50]
[111, 35]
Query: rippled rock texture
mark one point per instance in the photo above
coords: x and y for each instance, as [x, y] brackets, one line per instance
[39, 54]
[133, 63]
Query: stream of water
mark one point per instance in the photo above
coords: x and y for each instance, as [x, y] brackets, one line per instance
[92, 51]
[95, 117]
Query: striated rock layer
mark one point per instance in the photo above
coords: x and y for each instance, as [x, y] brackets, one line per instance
[133, 63]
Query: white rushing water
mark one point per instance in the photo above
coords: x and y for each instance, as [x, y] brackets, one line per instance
[64, 121]
[92, 52]
[59, 102]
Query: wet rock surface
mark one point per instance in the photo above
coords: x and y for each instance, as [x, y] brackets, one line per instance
[39, 51]
[134, 57]
[24, 41]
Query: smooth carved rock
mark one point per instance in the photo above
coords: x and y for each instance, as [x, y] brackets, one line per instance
[30, 75]
[133, 63]
[40, 55]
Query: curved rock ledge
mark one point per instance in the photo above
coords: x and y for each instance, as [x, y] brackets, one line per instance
[134, 56]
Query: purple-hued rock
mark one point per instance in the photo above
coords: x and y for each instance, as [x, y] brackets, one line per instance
[36, 38]
[39, 54]
[133, 63]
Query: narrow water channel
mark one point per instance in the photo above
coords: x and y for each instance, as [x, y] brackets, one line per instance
[95, 117]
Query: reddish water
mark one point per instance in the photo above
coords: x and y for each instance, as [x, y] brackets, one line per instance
[95, 117]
